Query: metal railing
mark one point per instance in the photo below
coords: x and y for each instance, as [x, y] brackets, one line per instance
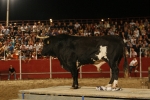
[81, 21]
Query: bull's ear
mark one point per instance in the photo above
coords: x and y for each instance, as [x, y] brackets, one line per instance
[47, 41]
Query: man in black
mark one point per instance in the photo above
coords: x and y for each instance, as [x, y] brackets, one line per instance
[11, 72]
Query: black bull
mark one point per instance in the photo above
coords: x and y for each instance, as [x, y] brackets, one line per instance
[74, 51]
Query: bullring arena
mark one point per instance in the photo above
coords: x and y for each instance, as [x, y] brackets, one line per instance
[58, 84]
[45, 79]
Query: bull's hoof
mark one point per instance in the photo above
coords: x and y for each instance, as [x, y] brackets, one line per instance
[75, 87]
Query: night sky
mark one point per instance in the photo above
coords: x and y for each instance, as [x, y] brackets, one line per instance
[74, 9]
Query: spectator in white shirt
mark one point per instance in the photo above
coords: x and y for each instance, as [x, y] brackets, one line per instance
[96, 32]
[77, 25]
[106, 25]
[6, 31]
[136, 33]
[133, 64]
[133, 53]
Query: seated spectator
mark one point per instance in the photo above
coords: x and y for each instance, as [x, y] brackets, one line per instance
[136, 32]
[133, 64]
[9, 56]
[133, 53]
[37, 45]
[148, 48]
[1, 50]
[148, 53]
[34, 27]
[27, 29]
[15, 29]
[23, 56]
[11, 48]
[143, 32]
[127, 52]
[96, 32]
[77, 25]
[133, 40]
[106, 25]
[85, 32]
[33, 56]
[11, 72]
[39, 55]
[146, 22]
[132, 22]
[28, 54]
[1, 28]
[111, 32]
[30, 47]
[2, 39]
[15, 54]
[6, 31]
[80, 31]
[43, 33]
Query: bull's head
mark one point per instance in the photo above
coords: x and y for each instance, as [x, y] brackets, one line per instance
[46, 46]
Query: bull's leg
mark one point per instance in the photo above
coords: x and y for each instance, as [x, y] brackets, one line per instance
[74, 74]
[116, 73]
[111, 80]
[114, 78]
[112, 75]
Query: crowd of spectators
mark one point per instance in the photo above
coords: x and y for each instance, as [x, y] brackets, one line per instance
[15, 38]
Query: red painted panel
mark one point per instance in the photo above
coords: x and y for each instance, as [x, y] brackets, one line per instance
[36, 76]
[36, 66]
[95, 75]
[38, 69]
[56, 67]
[65, 75]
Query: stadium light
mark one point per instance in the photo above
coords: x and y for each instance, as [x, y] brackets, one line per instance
[51, 20]
[7, 14]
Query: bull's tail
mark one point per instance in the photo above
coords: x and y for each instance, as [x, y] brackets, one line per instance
[125, 64]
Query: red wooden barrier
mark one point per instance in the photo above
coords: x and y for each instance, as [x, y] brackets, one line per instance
[40, 69]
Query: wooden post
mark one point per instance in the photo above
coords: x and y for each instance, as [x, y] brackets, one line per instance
[148, 78]
[149, 74]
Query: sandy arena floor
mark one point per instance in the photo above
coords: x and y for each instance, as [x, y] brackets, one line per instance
[9, 89]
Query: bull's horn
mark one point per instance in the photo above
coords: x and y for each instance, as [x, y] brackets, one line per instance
[42, 37]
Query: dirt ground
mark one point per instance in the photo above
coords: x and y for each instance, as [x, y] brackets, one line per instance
[10, 89]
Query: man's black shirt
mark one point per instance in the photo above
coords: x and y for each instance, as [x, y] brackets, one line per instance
[11, 70]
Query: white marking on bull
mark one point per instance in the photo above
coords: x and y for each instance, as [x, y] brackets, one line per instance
[98, 66]
[77, 63]
[102, 53]
[115, 83]
[93, 59]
